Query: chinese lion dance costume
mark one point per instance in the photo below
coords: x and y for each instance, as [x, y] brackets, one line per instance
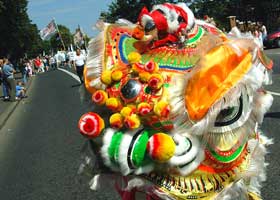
[175, 109]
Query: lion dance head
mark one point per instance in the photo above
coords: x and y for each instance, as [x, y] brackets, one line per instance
[176, 108]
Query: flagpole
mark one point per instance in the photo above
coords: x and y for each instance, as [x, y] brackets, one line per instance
[59, 34]
[84, 39]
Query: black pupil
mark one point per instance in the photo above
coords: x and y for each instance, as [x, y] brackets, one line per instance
[150, 26]
[180, 19]
[131, 89]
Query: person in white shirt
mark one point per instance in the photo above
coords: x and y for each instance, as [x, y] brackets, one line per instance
[79, 63]
[264, 31]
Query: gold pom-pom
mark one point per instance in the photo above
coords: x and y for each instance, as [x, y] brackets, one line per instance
[161, 147]
[106, 77]
[132, 121]
[144, 108]
[126, 111]
[144, 76]
[116, 121]
[113, 104]
[162, 109]
[116, 75]
[100, 97]
[137, 68]
[134, 57]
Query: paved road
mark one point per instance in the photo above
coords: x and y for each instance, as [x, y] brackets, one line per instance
[271, 127]
[40, 146]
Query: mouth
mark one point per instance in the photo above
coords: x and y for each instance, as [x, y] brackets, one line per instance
[201, 184]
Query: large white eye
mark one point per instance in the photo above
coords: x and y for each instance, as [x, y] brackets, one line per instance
[230, 115]
[235, 115]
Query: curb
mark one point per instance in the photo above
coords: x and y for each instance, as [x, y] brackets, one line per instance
[10, 109]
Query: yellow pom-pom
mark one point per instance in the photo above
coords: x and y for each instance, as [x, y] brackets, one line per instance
[116, 75]
[161, 147]
[155, 81]
[133, 57]
[106, 77]
[144, 76]
[144, 108]
[113, 104]
[132, 121]
[126, 111]
[137, 68]
[132, 106]
[116, 121]
[100, 97]
[162, 109]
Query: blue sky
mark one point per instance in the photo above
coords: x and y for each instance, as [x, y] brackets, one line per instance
[70, 13]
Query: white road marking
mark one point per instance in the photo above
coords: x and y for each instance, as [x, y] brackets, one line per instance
[274, 93]
[71, 74]
[271, 53]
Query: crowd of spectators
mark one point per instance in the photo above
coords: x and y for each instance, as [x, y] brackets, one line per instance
[256, 29]
[13, 87]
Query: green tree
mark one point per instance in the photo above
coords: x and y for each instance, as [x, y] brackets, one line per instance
[18, 35]
[129, 9]
[245, 10]
[64, 36]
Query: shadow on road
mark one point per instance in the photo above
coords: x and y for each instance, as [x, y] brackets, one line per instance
[272, 115]
[76, 85]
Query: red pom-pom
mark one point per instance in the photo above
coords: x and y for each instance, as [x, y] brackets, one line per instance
[91, 125]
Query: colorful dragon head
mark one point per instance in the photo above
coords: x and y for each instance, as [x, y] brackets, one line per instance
[176, 119]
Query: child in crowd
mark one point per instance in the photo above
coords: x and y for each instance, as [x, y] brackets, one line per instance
[20, 91]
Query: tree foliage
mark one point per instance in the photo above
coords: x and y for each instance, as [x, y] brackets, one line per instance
[63, 35]
[254, 10]
[18, 34]
[129, 9]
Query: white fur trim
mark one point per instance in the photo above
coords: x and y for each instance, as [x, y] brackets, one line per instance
[123, 151]
[108, 134]
[191, 18]
[144, 20]
[145, 169]
[171, 16]
[191, 158]
[262, 103]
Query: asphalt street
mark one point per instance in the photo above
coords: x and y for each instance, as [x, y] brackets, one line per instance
[271, 128]
[40, 144]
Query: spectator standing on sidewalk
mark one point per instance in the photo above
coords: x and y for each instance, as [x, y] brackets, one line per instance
[52, 63]
[9, 71]
[4, 81]
[79, 63]
[264, 31]
[37, 63]
[23, 69]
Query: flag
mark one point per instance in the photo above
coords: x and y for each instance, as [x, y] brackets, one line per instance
[78, 37]
[48, 31]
